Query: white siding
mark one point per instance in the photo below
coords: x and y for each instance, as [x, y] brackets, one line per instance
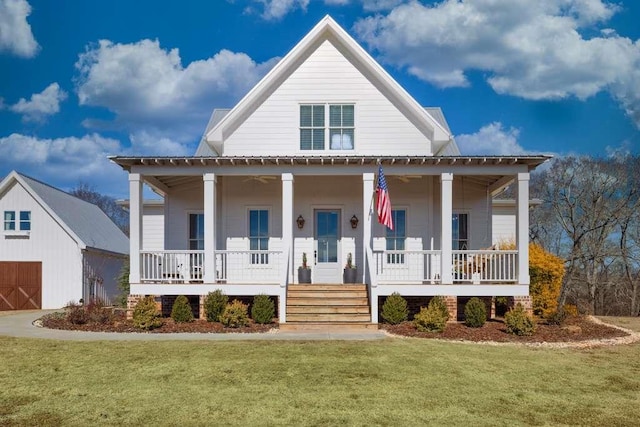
[504, 224]
[327, 77]
[472, 199]
[48, 243]
[178, 206]
[153, 227]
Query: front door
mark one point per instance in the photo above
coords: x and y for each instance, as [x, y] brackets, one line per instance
[327, 246]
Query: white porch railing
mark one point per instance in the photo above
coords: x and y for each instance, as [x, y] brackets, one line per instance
[231, 266]
[171, 266]
[417, 267]
[477, 266]
[407, 267]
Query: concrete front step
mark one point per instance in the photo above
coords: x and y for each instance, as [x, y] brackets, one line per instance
[333, 317]
[327, 326]
[328, 309]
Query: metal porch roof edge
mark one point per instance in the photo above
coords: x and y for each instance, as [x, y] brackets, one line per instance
[127, 162]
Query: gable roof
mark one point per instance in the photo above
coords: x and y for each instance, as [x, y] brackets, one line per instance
[328, 29]
[85, 222]
[204, 150]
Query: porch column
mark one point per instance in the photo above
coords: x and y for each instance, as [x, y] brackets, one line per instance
[446, 233]
[522, 229]
[367, 214]
[135, 226]
[209, 228]
[287, 220]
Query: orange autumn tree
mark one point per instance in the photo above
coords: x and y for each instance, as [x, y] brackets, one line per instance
[546, 271]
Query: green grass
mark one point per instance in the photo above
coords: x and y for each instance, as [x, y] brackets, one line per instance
[391, 382]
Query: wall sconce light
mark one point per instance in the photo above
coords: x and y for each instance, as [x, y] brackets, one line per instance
[354, 221]
[300, 222]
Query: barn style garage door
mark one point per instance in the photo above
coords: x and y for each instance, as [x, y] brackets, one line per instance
[20, 285]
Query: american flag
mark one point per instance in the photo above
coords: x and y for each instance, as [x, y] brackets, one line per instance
[383, 204]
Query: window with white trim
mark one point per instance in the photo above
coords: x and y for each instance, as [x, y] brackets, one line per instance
[25, 220]
[460, 231]
[196, 231]
[9, 220]
[259, 235]
[397, 237]
[316, 135]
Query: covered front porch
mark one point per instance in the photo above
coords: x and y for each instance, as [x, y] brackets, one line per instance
[257, 217]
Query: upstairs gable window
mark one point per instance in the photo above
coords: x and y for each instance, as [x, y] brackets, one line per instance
[15, 223]
[9, 220]
[316, 135]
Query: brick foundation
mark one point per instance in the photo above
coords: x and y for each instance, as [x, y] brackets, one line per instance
[452, 306]
[132, 300]
[526, 303]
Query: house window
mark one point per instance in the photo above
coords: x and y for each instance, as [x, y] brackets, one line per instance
[196, 232]
[312, 127]
[25, 220]
[313, 130]
[396, 238]
[9, 220]
[341, 127]
[460, 226]
[259, 235]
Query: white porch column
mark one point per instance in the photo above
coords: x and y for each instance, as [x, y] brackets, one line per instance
[446, 233]
[135, 226]
[367, 215]
[522, 229]
[287, 219]
[209, 228]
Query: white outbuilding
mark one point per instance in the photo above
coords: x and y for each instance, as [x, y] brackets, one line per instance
[55, 248]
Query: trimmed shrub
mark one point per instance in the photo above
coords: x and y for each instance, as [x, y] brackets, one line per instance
[394, 309]
[97, 312]
[145, 314]
[557, 317]
[235, 315]
[519, 322]
[181, 310]
[263, 309]
[438, 302]
[475, 313]
[214, 305]
[76, 314]
[430, 319]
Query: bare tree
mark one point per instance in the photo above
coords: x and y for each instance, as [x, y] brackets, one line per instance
[108, 204]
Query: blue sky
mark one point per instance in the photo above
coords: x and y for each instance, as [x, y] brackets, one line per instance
[85, 79]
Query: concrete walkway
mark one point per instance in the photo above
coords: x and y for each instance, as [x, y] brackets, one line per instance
[20, 324]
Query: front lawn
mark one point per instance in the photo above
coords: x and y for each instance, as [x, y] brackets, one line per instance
[389, 382]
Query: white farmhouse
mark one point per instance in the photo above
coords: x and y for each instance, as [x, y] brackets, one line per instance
[54, 247]
[291, 172]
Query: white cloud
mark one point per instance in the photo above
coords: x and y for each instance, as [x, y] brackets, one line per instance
[491, 139]
[65, 161]
[41, 105]
[337, 2]
[15, 32]
[379, 5]
[530, 49]
[274, 10]
[149, 90]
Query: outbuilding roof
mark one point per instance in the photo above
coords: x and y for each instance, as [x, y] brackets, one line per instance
[85, 222]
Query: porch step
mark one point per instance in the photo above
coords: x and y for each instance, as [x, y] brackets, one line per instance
[327, 307]
[327, 326]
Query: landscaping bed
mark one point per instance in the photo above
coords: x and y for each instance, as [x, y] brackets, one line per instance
[579, 328]
[118, 323]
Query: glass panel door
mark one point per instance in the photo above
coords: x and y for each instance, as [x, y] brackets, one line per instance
[327, 246]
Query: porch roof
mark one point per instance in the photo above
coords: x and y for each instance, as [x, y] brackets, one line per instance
[301, 160]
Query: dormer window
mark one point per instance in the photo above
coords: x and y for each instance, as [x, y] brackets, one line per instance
[315, 135]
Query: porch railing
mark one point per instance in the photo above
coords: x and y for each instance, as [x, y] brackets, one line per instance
[407, 266]
[417, 267]
[171, 266]
[477, 266]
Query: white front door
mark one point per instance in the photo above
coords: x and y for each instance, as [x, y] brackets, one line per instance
[327, 268]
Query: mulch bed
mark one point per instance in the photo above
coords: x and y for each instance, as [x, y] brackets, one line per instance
[120, 324]
[573, 330]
